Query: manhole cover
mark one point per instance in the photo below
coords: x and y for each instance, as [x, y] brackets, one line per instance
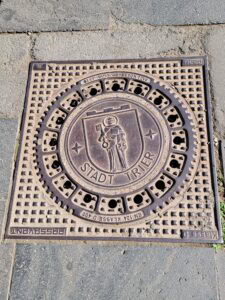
[116, 150]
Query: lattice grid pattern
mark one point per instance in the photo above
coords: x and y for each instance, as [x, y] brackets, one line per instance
[30, 207]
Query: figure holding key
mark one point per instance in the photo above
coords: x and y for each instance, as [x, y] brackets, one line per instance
[113, 139]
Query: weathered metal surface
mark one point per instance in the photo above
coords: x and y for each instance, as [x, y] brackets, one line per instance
[115, 150]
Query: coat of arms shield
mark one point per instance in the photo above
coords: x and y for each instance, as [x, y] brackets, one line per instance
[114, 141]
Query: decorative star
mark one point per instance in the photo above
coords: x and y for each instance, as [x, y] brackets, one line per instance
[77, 148]
[151, 134]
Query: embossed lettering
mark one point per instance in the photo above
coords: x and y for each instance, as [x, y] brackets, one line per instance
[146, 161]
[135, 172]
[111, 219]
[94, 176]
[102, 178]
[141, 168]
[84, 167]
[110, 178]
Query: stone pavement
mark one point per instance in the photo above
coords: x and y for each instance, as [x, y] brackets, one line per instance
[77, 30]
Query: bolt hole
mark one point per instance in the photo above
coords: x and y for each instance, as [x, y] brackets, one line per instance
[112, 203]
[87, 198]
[93, 92]
[172, 118]
[55, 164]
[138, 90]
[178, 140]
[115, 87]
[59, 121]
[73, 103]
[67, 185]
[174, 164]
[138, 199]
[160, 185]
[53, 142]
[158, 100]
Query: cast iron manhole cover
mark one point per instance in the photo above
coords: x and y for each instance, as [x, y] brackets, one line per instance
[116, 150]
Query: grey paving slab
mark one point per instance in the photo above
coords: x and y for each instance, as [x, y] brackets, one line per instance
[113, 272]
[8, 130]
[14, 60]
[215, 46]
[6, 259]
[138, 43]
[169, 12]
[220, 268]
[53, 15]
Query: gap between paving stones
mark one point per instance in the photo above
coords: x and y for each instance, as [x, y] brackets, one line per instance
[118, 26]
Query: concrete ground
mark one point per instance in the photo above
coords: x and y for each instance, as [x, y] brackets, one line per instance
[98, 29]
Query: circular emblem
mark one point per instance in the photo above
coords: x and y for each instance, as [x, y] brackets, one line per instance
[117, 147]
[114, 143]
